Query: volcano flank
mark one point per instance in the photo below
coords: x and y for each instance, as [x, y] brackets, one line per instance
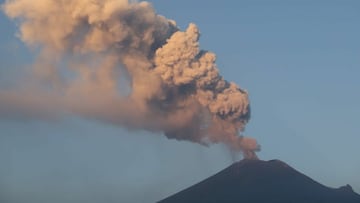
[255, 181]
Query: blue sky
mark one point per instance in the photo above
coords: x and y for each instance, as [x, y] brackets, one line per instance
[299, 61]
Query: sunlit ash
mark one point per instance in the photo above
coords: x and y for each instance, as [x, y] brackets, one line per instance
[86, 47]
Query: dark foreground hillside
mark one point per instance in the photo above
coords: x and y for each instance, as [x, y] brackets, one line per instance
[256, 181]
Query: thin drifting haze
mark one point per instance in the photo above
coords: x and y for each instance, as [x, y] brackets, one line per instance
[297, 60]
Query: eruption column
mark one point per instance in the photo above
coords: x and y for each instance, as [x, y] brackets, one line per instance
[175, 87]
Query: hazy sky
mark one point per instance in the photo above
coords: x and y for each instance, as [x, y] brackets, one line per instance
[299, 61]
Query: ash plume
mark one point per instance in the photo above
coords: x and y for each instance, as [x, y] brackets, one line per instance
[119, 62]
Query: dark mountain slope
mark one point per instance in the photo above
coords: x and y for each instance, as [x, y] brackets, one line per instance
[255, 181]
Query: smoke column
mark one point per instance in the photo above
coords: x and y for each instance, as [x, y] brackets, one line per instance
[121, 63]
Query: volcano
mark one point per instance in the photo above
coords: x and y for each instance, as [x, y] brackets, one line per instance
[257, 181]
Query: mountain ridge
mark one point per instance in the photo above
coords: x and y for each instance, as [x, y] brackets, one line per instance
[256, 181]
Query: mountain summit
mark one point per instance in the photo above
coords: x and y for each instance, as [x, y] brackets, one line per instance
[257, 181]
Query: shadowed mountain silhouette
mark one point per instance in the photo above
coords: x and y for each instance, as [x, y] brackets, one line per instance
[257, 181]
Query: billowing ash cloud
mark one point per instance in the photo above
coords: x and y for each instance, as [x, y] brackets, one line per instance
[121, 63]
